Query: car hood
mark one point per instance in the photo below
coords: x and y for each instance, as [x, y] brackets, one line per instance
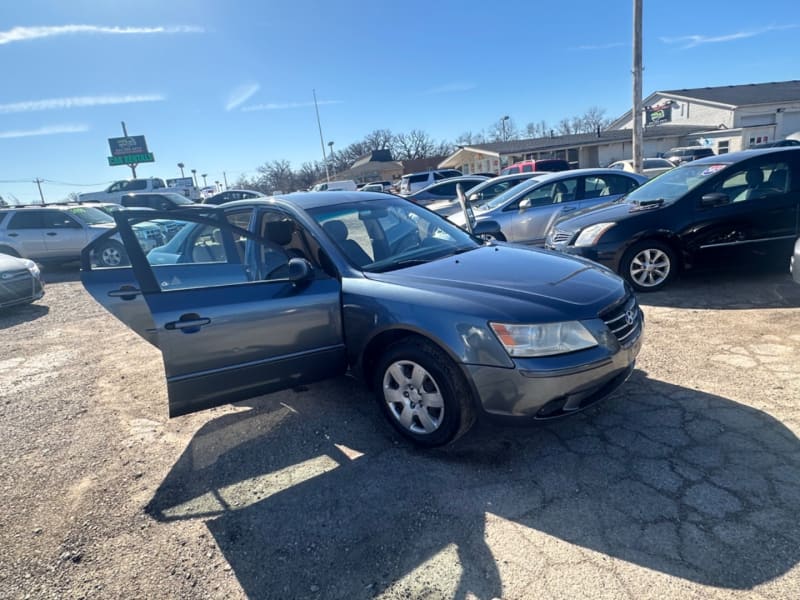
[609, 212]
[505, 279]
[11, 263]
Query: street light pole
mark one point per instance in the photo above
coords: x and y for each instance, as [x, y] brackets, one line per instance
[333, 164]
[204, 175]
[503, 122]
[180, 166]
[194, 175]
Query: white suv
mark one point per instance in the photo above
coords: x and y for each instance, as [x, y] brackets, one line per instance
[416, 181]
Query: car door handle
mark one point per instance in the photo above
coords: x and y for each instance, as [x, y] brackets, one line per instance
[568, 209]
[188, 323]
[51, 233]
[125, 292]
[13, 234]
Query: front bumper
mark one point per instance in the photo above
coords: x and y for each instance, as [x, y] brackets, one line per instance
[20, 290]
[535, 390]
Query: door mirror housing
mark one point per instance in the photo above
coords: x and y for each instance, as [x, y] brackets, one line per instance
[715, 199]
[525, 204]
[487, 229]
[475, 197]
[299, 270]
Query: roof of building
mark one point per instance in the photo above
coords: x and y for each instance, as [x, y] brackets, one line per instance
[384, 155]
[744, 95]
[582, 139]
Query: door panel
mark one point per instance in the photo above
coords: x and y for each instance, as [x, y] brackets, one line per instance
[227, 326]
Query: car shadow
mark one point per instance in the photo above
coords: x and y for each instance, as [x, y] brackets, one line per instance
[61, 273]
[745, 287]
[14, 315]
[310, 495]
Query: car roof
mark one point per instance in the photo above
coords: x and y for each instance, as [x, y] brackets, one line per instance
[733, 157]
[309, 200]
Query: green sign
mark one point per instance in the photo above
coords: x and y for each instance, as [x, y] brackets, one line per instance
[130, 159]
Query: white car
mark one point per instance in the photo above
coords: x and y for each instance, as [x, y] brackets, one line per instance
[650, 166]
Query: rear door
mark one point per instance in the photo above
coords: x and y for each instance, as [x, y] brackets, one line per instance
[607, 187]
[25, 232]
[227, 328]
[548, 202]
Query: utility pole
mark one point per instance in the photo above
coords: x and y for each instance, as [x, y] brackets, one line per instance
[38, 183]
[225, 179]
[638, 131]
[321, 140]
[125, 134]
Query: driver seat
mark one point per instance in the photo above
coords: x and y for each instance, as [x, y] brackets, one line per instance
[338, 232]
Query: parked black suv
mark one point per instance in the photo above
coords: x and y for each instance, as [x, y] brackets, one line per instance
[714, 209]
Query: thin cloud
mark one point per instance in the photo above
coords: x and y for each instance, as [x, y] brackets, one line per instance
[241, 94]
[77, 102]
[450, 88]
[46, 130]
[600, 46]
[21, 34]
[286, 105]
[690, 41]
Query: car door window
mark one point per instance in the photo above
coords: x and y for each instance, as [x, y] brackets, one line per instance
[756, 182]
[446, 189]
[137, 184]
[607, 185]
[26, 220]
[56, 219]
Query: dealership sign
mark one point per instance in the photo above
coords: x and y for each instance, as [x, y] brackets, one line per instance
[130, 159]
[655, 115]
[122, 146]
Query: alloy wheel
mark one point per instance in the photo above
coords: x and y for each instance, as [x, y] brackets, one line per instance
[650, 267]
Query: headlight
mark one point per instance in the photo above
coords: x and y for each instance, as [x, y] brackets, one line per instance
[592, 234]
[32, 267]
[546, 339]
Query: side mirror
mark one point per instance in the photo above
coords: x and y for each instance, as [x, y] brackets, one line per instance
[299, 270]
[715, 199]
[474, 197]
[525, 204]
[488, 230]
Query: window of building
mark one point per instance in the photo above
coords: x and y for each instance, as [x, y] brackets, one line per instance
[723, 147]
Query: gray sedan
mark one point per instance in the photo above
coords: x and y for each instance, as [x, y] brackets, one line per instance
[267, 294]
[525, 212]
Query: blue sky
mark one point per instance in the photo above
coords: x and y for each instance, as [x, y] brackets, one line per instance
[226, 85]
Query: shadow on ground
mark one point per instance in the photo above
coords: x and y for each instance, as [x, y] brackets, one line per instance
[14, 315]
[754, 284]
[309, 495]
[61, 273]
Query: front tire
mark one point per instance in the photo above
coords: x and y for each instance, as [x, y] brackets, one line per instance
[649, 265]
[422, 393]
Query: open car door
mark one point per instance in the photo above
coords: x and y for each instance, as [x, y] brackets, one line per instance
[232, 316]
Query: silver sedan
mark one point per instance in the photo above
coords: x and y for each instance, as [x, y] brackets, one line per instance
[525, 212]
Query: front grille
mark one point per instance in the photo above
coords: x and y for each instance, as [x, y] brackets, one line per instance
[16, 284]
[624, 319]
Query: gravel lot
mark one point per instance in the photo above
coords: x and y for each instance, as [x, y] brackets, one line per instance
[686, 483]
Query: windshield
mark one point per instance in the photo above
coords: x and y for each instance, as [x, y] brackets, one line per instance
[392, 233]
[673, 184]
[90, 215]
[501, 199]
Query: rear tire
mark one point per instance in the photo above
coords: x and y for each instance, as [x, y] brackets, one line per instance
[422, 393]
[649, 265]
[111, 254]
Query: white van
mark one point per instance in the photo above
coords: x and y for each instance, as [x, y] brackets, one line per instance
[346, 185]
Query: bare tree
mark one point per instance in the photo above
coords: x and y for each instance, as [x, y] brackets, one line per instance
[414, 144]
[308, 174]
[594, 118]
[503, 130]
[537, 130]
[380, 139]
[565, 126]
[277, 175]
[468, 138]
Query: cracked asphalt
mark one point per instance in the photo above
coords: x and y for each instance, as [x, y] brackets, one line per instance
[684, 484]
